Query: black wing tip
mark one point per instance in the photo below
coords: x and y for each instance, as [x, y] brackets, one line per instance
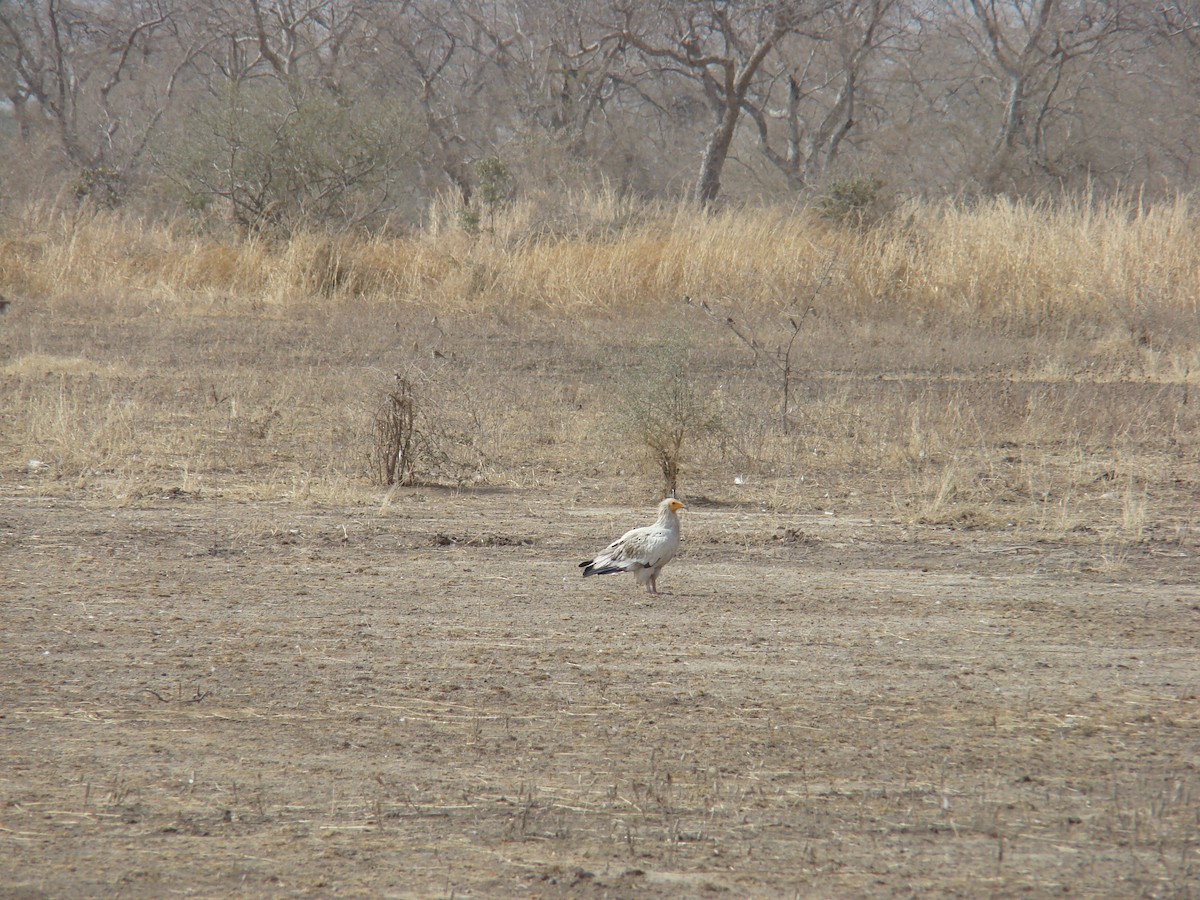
[589, 568]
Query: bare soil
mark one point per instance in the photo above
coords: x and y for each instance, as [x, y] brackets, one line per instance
[207, 696]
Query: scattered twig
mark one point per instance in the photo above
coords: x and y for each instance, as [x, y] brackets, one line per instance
[198, 697]
[781, 356]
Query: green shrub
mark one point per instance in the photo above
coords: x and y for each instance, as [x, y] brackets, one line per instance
[856, 201]
[269, 158]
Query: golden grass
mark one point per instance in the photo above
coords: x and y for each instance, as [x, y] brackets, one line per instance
[1023, 262]
[998, 365]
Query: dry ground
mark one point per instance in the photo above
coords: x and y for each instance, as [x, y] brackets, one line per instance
[227, 671]
[209, 697]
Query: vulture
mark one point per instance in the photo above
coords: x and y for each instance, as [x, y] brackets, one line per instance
[643, 551]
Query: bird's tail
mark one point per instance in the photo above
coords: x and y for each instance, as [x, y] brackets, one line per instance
[590, 567]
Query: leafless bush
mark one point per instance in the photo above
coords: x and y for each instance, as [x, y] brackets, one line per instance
[393, 451]
[425, 426]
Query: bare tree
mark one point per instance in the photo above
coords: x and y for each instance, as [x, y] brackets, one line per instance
[1031, 48]
[813, 95]
[1168, 50]
[722, 46]
[1180, 18]
[568, 73]
[102, 76]
[447, 55]
[311, 38]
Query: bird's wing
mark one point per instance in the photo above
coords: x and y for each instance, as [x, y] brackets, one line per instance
[639, 548]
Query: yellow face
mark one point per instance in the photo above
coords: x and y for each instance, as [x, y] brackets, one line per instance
[677, 505]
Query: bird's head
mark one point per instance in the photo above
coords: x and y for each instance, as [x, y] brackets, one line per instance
[673, 505]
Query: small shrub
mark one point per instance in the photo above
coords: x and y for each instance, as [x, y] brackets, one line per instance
[469, 219]
[425, 427]
[102, 186]
[665, 412]
[857, 202]
[394, 454]
[495, 188]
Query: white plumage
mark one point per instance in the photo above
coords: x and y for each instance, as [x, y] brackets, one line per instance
[642, 551]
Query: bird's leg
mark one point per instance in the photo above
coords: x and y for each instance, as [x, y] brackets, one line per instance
[652, 585]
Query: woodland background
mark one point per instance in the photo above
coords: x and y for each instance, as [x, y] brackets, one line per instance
[360, 113]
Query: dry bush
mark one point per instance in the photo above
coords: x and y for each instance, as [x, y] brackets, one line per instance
[664, 409]
[395, 437]
[425, 429]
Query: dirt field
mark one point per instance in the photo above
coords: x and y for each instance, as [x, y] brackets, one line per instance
[209, 697]
[938, 639]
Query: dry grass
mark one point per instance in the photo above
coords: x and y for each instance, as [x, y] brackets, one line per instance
[1004, 365]
[1023, 263]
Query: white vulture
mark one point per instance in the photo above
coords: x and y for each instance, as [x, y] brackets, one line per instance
[642, 551]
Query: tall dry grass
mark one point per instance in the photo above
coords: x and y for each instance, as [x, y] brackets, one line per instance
[1017, 261]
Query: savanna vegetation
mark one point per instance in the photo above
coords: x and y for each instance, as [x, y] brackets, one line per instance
[989, 362]
[335, 334]
[955, 197]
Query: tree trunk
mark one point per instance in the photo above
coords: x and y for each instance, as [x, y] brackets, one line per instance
[733, 95]
[1006, 140]
[708, 185]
